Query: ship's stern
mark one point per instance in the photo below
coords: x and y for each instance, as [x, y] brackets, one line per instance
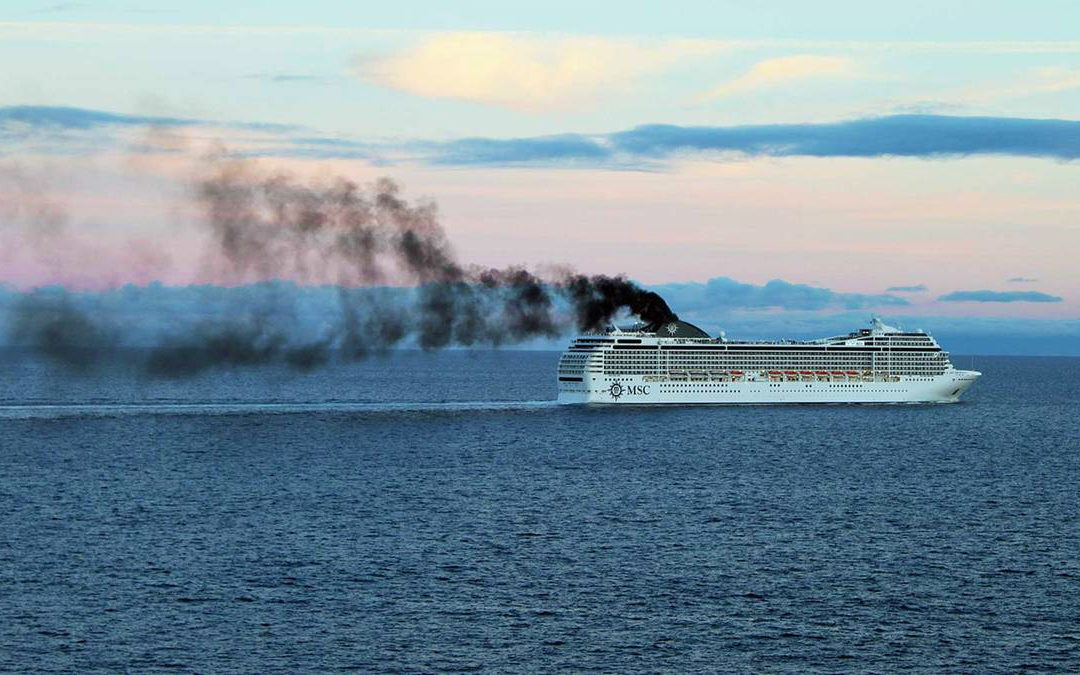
[573, 372]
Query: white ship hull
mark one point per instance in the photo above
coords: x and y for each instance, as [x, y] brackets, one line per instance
[679, 363]
[946, 388]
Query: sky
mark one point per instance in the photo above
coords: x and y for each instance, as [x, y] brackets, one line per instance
[765, 165]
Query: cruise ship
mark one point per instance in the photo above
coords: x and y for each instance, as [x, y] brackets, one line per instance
[677, 362]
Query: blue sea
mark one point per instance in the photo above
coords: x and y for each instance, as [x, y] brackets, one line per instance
[438, 512]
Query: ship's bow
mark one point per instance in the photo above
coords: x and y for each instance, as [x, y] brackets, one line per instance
[961, 381]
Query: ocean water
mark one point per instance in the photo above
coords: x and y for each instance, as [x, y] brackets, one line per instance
[437, 512]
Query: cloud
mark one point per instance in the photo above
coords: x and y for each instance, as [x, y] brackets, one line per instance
[897, 136]
[927, 136]
[1033, 82]
[76, 131]
[521, 71]
[59, 7]
[999, 296]
[918, 288]
[723, 293]
[786, 69]
[1021, 280]
[280, 78]
[63, 117]
[80, 118]
[563, 147]
[928, 107]
[1050, 80]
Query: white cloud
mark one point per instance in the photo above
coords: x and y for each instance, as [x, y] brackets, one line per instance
[1035, 82]
[785, 69]
[525, 72]
[986, 96]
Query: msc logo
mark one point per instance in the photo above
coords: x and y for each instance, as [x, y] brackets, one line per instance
[617, 390]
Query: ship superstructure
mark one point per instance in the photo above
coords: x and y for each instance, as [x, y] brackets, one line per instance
[677, 362]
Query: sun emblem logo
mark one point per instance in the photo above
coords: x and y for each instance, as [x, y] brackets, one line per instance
[616, 391]
[672, 328]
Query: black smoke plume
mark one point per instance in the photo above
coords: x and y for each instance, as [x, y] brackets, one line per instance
[336, 232]
[57, 329]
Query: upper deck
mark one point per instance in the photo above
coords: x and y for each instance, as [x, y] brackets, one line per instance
[679, 347]
[683, 333]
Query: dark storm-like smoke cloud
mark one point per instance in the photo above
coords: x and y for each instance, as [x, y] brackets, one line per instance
[266, 226]
[61, 331]
[277, 226]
